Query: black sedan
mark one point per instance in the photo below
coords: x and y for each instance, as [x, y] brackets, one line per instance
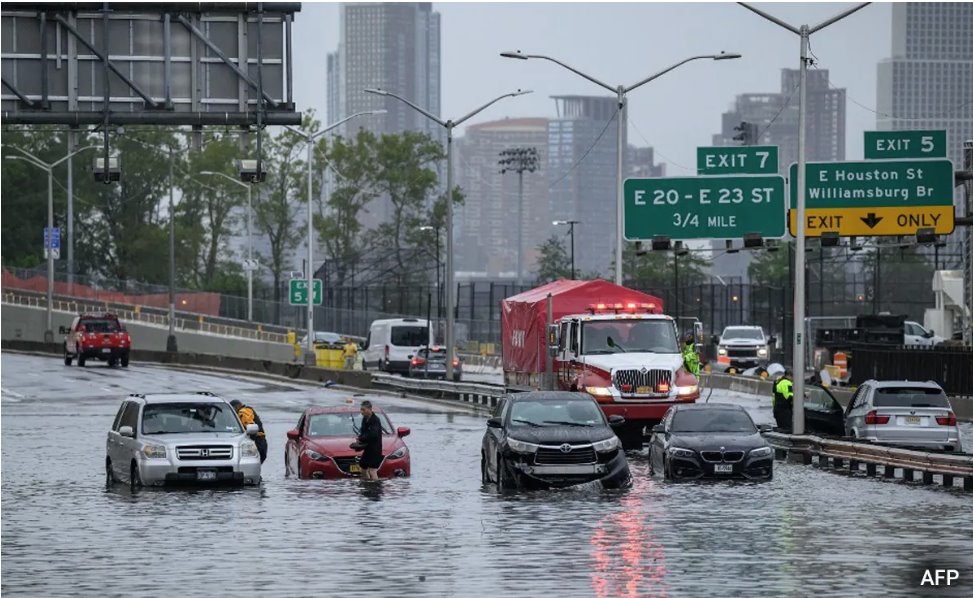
[709, 441]
[552, 439]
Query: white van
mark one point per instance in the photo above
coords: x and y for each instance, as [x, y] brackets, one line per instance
[391, 344]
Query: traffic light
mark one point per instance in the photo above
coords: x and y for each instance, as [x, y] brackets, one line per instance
[748, 133]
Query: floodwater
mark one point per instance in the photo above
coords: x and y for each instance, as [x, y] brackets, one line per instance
[439, 533]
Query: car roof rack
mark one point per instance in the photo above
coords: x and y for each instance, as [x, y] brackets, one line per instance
[205, 393]
[137, 395]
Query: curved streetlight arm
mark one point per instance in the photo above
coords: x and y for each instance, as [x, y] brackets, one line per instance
[225, 176]
[309, 138]
[423, 111]
[771, 18]
[666, 70]
[75, 152]
[567, 66]
[30, 161]
[519, 92]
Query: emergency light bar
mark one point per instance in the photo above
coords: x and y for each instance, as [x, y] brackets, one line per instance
[630, 307]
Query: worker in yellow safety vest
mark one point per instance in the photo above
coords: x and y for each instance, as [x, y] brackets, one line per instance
[783, 401]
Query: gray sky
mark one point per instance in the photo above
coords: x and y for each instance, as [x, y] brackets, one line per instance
[623, 43]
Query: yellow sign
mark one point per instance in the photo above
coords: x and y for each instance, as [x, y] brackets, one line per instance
[874, 222]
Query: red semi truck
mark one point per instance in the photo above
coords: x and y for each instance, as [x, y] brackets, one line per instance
[612, 342]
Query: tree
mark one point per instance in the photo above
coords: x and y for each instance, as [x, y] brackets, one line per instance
[771, 268]
[554, 262]
[656, 269]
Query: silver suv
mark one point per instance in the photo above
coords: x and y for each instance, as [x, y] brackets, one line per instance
[172, 438]
[903, 413]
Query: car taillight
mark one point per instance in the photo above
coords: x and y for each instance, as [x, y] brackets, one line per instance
[872, 418]
[455, 363]
[662, 387]
[946, 420]
[418, 361]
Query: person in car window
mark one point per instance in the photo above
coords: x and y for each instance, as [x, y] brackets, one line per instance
[371, 437]
[249, 416]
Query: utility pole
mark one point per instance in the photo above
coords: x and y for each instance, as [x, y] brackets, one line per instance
[519, 159]
[171, 344]
[804, 32]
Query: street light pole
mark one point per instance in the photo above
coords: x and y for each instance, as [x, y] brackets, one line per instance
[571, 224]
[449, 125]
[49, 168]
[800, 276]
[621, 91]
[309, 358]
[249, 265]
[172, 345]
[439, 298]
[519, 159]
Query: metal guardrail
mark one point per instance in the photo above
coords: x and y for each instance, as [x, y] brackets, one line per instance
[467, 392]
[137, 314]
[916, 465]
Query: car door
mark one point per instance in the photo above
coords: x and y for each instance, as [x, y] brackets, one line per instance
[114, 438]
[492, 436]
[854, 417]
[293, 448]
[657, 443]
[127, 447]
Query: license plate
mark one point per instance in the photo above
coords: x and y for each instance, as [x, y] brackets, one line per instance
[723, 468]
[643, 390]
[106, 350]
[913, 420]
[354, 468]
[205, 475]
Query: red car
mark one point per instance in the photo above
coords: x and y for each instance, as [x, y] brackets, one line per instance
[318, 447]
[96, 336]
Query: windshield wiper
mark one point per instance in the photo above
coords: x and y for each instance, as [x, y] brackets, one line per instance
[529, 423]
[575, 424]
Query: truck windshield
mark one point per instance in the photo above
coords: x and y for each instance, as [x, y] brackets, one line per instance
[189, 418]
[629, 336]
[745, 333]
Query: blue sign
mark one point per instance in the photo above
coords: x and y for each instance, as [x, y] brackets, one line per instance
[54, 243]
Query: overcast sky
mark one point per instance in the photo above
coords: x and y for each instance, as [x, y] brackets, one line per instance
[624, 43]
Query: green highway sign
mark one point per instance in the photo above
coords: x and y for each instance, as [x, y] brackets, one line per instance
[892, 145]
[704, 207]
[298, 291]
[755, 159]
[894, 197]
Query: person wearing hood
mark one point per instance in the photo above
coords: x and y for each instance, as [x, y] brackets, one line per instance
[249, 416]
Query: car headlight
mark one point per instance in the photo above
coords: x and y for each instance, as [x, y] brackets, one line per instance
[314, 455]
[399, 453]
[675, 451]
[721, 351]
[154, 451]
[520, 446]
[685, 391]
[762, 352]
[599, 391]
[764, 451]
[608, 445]
[248, 449]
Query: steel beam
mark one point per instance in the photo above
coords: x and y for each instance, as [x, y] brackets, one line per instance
[150, 118]
[17, 93]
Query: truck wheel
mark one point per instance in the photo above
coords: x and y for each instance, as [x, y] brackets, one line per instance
[112, 362]
[125, 360]
[67, 357]
[80, 360]
[135, 480]
[506, 478]
[484, 477]
[109, 474]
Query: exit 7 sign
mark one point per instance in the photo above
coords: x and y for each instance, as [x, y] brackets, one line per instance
[298, 291]
[752, 159]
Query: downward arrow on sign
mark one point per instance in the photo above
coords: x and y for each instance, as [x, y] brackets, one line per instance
[872, 220]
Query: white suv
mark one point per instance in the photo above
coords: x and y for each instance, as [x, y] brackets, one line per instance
[180, 438]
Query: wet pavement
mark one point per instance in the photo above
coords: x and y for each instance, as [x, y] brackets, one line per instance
[438, 533]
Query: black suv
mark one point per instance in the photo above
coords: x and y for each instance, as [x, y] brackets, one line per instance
[552, 439]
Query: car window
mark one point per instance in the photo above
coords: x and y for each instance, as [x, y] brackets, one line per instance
[743, 333]
[409, 336]
[541, 413]
[382, 418]
[562, 343]
[573, 333]
[118, 416]
[189, 418]
[712, 421]
[498, 410]
[130, 417]
[101, 326]
[341, 424]
[818, 399]
[300, 424]
[857, 400]
[910, 397]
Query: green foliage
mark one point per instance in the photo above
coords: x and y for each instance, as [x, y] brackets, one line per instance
[554, 262]
[656, 269]
[771, 268]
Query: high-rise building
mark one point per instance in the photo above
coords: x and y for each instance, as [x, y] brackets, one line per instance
[393, 46]
[928, 83]
[487, 222]
[581, 164]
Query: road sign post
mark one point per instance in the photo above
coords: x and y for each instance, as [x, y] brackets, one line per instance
[52, 243]
[723, 160]
[298, 291]
[685, 208]
[876, 198]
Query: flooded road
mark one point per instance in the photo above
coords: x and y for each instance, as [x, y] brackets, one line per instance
[438, 533]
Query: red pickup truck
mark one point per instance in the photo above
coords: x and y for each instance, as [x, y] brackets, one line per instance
[96, 336]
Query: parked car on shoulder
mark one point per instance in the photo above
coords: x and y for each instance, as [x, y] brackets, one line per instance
[710, 440]
[743, 347]
[329, 339]
[552, 439]
[163, 439]
[391, 344]
[96, 336]
[430, 362]
[319, 447]
[903, 413]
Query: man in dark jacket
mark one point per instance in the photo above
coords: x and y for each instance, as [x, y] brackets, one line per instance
[249, 416]
[370, 436]
[783, 401]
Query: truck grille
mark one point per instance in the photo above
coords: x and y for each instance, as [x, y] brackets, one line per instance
[722, 457]
[741, 352]
[555, 456]
[204, 452]
[644, 377]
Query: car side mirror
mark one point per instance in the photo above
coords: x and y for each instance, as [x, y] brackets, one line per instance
[658, 429]
[294, 434]
[252, 429]
[403, 432]
[765, 427]
[930, 333]
[127, 431]
[615, 420]
[494, 422]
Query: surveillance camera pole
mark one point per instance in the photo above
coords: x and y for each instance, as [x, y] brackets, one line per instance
[800, 259]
